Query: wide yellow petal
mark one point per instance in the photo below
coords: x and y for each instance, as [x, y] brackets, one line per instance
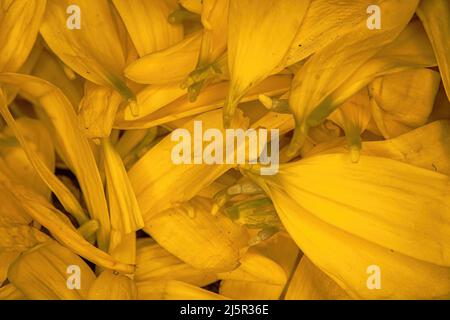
[94, 50]
[19, 26]
[346, 258]
[403, 101]
[208, 242]
[10, 292]
[310, 283]
[172, 64]
[41, 273]
[147, 24]
[153, 262]
[111, 285]
[393, 204]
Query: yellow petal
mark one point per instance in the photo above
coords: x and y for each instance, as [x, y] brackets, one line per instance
[20, 238]
[61, 229]
[95, 49]
[15, 159]
[208, 242]
[255, 46]
[159, 183]
[328, 69]
[155, 263]
[256, 268]
[41, 273]
[426, 147]
[153, 98]
[353, 117]
[248, 290]
[192, 5]
[174, 290]
[10, 292]
[120, 193]
[346, 258]
[435, 16]
[210, 98]
[6, 257]
[19, 27]
[147, 24]
[324, 22]
[215, 22]
[395, 205]
[70, 203]
[310, 283]
[70, 144]
[111, 285]
[169, 65]
[403, 101]
[51, 69]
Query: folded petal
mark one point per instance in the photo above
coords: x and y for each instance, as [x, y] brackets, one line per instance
[259, 37]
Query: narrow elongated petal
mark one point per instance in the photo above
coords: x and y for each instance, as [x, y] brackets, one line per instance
[94, 50]
[210, 98]
[69, 142]
[111, 285]
[255, 46]
[174, 290]
[208, 242]
[310, 283]
[435, 16]
[41, 273]
[19, 27]
[66, 197]
[147, 24]
[120, 191]
[61, 229]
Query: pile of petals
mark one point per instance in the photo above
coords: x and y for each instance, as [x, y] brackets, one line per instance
[94, 207]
